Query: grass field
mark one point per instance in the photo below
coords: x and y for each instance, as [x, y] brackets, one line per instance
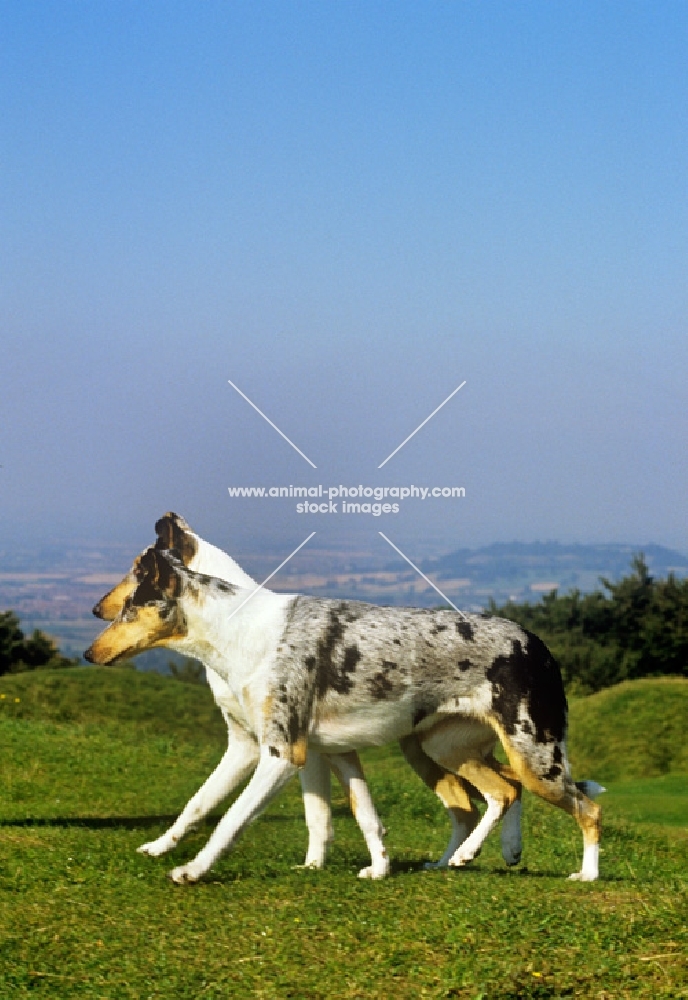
[96, 761]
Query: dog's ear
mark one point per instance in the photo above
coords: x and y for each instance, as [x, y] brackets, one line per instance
[174, 533]
[157, 577]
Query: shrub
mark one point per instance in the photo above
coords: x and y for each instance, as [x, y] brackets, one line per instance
[17, 653]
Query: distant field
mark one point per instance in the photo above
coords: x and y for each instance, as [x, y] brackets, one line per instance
[96, 761]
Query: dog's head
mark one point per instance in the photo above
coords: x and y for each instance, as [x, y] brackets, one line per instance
[150, 614]
[173, 533]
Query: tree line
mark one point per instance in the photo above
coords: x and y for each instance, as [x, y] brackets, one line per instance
[637, 627]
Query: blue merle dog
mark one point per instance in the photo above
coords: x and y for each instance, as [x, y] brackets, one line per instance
[338, 676]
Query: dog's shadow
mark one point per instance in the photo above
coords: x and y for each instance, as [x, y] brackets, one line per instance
[397, 867]
[113, 822]
[473, 869]
[97, 822]
[89, 822]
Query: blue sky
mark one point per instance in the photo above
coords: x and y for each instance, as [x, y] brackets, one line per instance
[347, 209]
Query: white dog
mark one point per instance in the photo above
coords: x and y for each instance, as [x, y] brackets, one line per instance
[337, 676]
[174, 533]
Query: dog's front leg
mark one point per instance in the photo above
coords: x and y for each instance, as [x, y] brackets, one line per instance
[347, 767]
[315, 785]
[270, 776]
[238, 762]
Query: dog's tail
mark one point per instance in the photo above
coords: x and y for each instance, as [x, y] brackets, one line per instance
[590, 788]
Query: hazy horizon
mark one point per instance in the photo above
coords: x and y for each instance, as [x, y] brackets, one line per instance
[347, 211]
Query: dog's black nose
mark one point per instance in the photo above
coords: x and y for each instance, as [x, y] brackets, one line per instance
[88, 655]
[97, 610]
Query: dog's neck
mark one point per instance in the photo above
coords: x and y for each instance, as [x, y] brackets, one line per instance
[214, 562]
[231, 639]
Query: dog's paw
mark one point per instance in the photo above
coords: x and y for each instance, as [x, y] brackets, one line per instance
[582, 877]
[511, 858]
[308, 866]
[461, 859]
[431, 866]
[314, 860]
[155, 848]
[185, 874]
[375, 871]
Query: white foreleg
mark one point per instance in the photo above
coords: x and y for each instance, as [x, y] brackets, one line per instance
[348, 769]
[237, 763]
[315, 785]
[269, 777]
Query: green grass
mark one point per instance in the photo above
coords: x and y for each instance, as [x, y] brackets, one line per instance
[92, 762]
[662, 801]
[112, 695]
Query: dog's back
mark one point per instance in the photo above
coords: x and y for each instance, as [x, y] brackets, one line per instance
[337, 657]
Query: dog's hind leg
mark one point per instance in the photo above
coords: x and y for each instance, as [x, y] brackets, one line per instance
[544, 769]
[315, 785]
[510, 834]
[464, 748]
[451, 791]
[239, 760]
[347, 767]
[500, 795]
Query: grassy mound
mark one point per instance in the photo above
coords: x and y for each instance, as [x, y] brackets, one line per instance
[633, 730]
[91, 696]
[105, 742]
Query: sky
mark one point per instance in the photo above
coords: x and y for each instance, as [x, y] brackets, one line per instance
[347, 209]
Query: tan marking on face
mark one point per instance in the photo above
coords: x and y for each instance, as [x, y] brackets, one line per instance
[144, 629]
[109, 607]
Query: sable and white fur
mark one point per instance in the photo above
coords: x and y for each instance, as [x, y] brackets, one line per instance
[337, 676]
[174, 533]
